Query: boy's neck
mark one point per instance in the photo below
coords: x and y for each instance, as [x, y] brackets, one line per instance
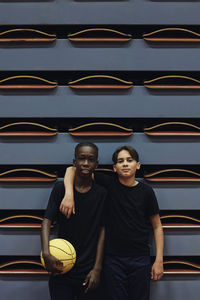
[128, 181]
[82, 185]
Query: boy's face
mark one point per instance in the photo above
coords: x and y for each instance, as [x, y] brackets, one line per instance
[126, 166]
[85, 161]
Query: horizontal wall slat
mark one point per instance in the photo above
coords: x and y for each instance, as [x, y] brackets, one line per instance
[60, 149]
[37, 287]
[25, 287]
[21, 242]
[14, 243]
[35, 196]
[100, 12]
[23, 197]
[176, 197]
[28, 243]
[134, 56]
[65, 103]
[181, 242]
[176, 287]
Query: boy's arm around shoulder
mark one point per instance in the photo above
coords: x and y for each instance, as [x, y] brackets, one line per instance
[67, 206]
[157, 268]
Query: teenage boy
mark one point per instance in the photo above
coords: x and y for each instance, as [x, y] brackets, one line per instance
[131, 209]
[84, 230]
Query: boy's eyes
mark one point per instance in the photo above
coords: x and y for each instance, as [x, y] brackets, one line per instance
[119, 161]
[90, 159]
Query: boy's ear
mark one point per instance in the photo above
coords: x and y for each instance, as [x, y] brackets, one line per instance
[97, 163]
[114, 168]
[74, 162]
[138, 165]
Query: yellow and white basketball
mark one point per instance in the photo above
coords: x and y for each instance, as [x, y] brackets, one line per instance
[64, 251]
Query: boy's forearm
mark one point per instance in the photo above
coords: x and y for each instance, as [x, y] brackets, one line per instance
[158, 236]
[157, 267]
[45, 234]
[159, 242]
[100, 250]
[67, 206]
[93, 277]
[69, 179]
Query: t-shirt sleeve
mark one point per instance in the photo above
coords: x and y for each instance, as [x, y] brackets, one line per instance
[153, 207]
[52, 209]
[103, 179]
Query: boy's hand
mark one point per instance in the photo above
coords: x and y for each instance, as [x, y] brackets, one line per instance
[67, 206]
[52, 264]
[92, 280]
[157, 271]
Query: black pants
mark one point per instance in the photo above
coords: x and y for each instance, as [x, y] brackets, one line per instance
[127, 278]
[60, 290]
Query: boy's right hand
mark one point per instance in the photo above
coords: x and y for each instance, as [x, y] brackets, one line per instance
[67, 206]
[52, 264]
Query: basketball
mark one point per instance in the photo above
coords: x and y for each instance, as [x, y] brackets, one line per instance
[64, 251]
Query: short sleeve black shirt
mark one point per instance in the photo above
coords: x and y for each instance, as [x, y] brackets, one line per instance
[81, 229]
[127, 216]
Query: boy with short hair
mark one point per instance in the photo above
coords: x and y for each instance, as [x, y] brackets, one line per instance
[84, 230]
[131, 209]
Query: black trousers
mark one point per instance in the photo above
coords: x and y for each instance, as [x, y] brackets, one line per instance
[127, 278]
[60, 290]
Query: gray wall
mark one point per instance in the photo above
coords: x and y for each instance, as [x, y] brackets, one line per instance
[137, 106]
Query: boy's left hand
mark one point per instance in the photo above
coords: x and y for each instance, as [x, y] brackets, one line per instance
[157, 271]
[92, 280]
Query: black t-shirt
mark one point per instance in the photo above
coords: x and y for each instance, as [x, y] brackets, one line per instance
[127, 216]
[82, 229]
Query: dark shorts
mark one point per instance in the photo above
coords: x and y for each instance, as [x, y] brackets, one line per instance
[127, 278]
